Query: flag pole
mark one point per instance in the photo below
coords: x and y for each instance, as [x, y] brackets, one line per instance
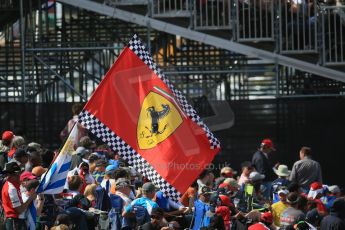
[55, 157]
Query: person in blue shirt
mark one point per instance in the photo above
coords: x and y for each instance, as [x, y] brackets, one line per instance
[148, 191]
[170, 207]
[202, 208]
[283, 173]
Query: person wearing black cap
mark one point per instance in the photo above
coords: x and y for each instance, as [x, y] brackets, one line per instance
[11, 198]
[21, 157]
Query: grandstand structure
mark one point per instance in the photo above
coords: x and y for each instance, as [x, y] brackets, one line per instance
[58, 51]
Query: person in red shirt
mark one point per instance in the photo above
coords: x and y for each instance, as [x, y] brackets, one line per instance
[13, 204]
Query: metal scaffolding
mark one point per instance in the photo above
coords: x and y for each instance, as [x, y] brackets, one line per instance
[52, 52]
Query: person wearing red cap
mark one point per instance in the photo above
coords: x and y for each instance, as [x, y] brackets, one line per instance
[263, 164]
[5, 147]
[315, 193]
[266, 221]
[305, 171]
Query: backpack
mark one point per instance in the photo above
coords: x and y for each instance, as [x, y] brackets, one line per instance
[115, 213]
[103, 201]
[141, 215]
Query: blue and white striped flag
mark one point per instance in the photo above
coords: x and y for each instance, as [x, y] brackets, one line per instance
[31, 217]
[54, 180]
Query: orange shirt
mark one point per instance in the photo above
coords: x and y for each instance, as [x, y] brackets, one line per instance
[191, 192]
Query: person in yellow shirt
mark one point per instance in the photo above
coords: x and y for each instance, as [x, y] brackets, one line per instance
[279, 207]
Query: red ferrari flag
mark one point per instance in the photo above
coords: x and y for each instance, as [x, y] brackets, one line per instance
[141, 115]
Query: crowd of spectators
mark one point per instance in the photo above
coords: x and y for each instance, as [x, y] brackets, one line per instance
[103, 192]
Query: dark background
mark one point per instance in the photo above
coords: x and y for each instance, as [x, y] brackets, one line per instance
[291, 123]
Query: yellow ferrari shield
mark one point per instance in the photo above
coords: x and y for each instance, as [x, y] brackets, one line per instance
[158, 119]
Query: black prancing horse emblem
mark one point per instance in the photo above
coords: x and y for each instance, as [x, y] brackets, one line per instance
[155, 117]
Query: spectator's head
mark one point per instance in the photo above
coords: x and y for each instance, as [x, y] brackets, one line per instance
[233, 186]
[205, 193]
[18, 142]
[121, 173]
[63, 219]
[292, 199]
[38, 171]
[123, 185]
[266, 218]
[314, 217]
[75, 183]
[316, 190]
[225, 201]
[36, 146]
[256, 178]
[21, 156]
[25, 177]
[35, 158]
[87, 143]
[282, 171]
[12, 170]
[7, 138]
[157, 215]
[227, 172]
[82, 152]
[334, 190]
[110, 169]
[60, 227]
[247, 168]
[90, 190]
[304, 152]
[149, 190]
[84, 167]
[206, 176]
[302, 203]
[338, 207]
[93, 158]
[302, 225]
[267, 146]
[282, 193]
[77, 108]
[31, 186]
[47, 157]
[101, 164]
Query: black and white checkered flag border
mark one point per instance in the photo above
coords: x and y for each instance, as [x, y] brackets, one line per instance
[140, 50]
[126, 152]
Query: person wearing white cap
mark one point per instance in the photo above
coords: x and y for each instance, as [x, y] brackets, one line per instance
[279, 207]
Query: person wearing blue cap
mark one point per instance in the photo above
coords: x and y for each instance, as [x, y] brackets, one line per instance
[108, 181]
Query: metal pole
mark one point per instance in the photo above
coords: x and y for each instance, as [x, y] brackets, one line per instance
[74, 48]
[61, 78]
[22, 47]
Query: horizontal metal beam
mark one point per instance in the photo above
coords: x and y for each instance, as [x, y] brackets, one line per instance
[73, 48]
[205, 38]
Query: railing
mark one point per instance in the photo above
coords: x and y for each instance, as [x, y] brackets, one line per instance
[255, 20]
[212, 14]
[333, 37]
[170, 8]
[298, 26]
[125, 2]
